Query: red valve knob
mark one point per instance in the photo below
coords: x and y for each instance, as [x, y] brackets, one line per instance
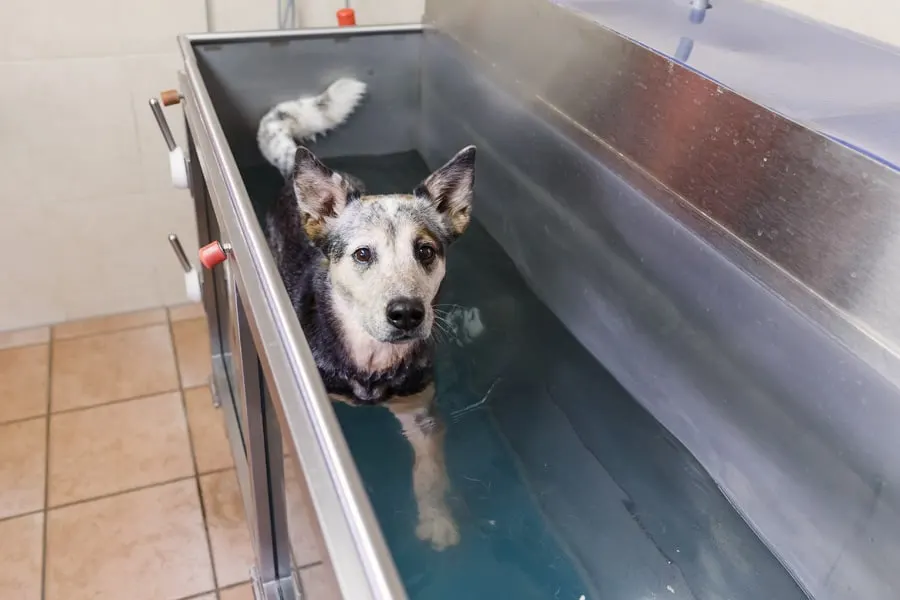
[212, 254]
[346, 17]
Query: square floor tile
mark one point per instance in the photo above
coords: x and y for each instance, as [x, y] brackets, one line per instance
[241, 592]
[186, 312]
[149, 543]
[24, 337]
[192, 347]
[24, 373]
[20, 557]
[109, 324]
[319, 583]
[112, 366]
[22, 463]
[208, 435]
[117, 447]
[303, 535]
[228, 532]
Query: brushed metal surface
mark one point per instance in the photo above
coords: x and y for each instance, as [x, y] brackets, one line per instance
[831, 79]
[826, 214]
[733, 269]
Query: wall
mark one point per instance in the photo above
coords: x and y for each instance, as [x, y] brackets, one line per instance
[84, 193]
[878, 19]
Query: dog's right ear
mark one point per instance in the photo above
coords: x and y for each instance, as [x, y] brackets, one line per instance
[320, 192]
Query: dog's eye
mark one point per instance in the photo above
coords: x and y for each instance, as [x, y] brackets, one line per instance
[425, 253]
[362, 255]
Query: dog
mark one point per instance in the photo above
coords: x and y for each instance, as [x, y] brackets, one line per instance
[363, 274]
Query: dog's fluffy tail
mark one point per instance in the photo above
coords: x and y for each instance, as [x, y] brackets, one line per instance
[302, 119]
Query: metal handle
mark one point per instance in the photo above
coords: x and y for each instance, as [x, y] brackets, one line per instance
[179, 252]
[163, 124]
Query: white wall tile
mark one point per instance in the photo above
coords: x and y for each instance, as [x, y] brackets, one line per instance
[879, 19]
[149, 75]
[68, 130]
[95, 256]
[65, 28]
[118, 255]
[33, 251]
[320, 13]
[243, 15]
[388, 12]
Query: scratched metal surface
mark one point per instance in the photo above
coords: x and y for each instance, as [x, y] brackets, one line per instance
[732, 269]
[830, 79]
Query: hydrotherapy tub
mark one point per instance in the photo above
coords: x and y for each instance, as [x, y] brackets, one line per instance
[684, 384]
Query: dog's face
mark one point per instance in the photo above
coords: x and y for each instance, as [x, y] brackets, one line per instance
[386, 254]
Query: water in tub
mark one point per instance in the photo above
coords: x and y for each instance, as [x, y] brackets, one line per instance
[563, 486]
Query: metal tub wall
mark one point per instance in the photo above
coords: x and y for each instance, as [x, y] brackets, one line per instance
[623, 186]
[784, 400]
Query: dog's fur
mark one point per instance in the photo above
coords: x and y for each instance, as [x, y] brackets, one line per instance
[349, 260]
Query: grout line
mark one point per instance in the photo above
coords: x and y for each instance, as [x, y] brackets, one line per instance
[66, 411]
[214, 592]
[187, 421]
[54, 324]
[234, 586]
[191, 388]
[81, 336]
[139, 488]
[47, 467]
[78, 336]
[27, 345]
[29, 513]
[24, 420]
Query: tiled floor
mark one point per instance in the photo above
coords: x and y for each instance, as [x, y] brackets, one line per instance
[116, 478]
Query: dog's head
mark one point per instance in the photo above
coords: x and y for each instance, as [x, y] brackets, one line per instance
[386, 254]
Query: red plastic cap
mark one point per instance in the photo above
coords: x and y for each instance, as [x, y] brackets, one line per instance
[346, 17]
[212, 254]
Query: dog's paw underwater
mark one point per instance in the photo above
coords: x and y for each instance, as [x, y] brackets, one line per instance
[439, 529]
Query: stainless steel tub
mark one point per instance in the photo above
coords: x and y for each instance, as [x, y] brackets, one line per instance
[701, 397]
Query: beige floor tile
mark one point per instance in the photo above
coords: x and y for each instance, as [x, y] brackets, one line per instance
[20, 557]
[303, 536]
[208, 434]
[228, 533]
[319, 583]
[24, 337]
[149, 543]
[192, 347]
[112, 366]
[186, 312]
[22, 463]
[240, 592]
[24, 373]
[117, 447]
[109, 323]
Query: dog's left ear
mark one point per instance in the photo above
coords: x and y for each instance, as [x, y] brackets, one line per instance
[451, 188]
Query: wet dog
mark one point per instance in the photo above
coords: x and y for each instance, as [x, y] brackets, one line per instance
[363, 273]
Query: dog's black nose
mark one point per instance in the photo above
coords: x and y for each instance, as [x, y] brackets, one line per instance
[405, 313]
